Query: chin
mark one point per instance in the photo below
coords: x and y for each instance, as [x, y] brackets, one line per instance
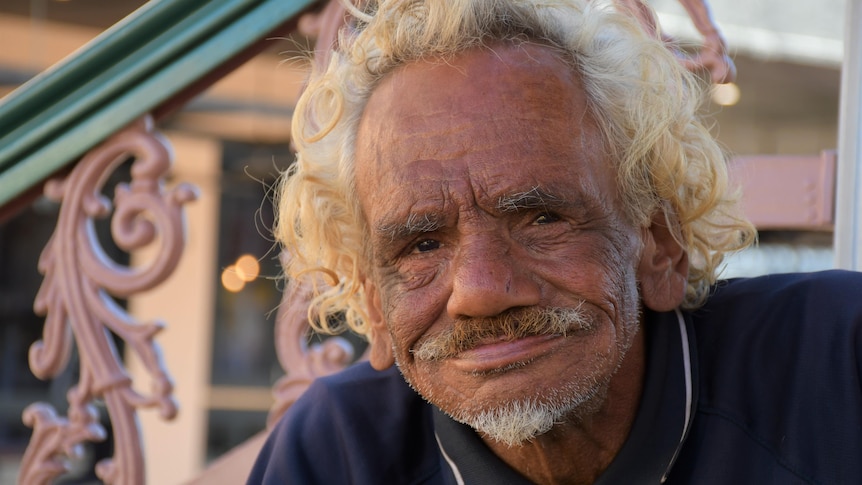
[517, 421]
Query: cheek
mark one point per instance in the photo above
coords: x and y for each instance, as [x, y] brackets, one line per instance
[417, 277]
[621, 266]
[410, 313]
[622, 282]
[602, 270]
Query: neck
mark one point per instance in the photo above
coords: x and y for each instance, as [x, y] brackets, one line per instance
[578, 450]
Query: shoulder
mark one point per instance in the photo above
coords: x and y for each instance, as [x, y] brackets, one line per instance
[359, 386]
[823, 303]
[780, 374]
[817, 287]
[770, 322]
[356, 426]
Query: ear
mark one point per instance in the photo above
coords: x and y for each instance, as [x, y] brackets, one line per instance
[381, 355]
[663, 268]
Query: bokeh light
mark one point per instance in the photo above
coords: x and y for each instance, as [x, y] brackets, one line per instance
[231, 280]
[725, 94]
[247, 268]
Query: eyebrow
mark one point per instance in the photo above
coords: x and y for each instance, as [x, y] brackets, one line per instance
[415, 224]
[535, 198]
[420, 223]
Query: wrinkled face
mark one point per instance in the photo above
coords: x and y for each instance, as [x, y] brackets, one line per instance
[503, 268]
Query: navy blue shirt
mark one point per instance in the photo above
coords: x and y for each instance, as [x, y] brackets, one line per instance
[761, 385]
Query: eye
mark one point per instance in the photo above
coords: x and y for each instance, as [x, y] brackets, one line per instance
[426, 245]
[546, 218]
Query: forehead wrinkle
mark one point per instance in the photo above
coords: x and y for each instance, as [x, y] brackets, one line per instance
[469, 135]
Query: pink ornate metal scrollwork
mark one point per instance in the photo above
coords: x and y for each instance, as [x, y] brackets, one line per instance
[76, 299]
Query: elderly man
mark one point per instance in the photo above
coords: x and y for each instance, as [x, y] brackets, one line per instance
[515, 201]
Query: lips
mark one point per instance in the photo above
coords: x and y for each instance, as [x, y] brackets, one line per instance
[510, 331]
[497, 355]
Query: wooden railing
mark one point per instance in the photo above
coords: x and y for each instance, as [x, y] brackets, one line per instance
[151, 63]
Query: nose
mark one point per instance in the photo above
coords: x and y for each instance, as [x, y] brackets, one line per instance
[488, 280]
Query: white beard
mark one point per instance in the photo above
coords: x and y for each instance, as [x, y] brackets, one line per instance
[516, 422]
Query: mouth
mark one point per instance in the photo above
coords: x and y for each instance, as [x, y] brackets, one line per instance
[505, 341]
[500, 355]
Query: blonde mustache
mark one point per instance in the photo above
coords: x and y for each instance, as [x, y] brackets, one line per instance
[468, 333]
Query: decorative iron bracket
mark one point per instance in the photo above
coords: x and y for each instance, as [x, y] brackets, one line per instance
[76, 298]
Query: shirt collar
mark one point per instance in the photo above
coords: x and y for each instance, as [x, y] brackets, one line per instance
[658, 432]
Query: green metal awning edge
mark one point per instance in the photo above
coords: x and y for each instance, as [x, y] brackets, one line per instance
[165, 51]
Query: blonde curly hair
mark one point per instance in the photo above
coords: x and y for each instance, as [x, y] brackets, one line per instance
[645, 103]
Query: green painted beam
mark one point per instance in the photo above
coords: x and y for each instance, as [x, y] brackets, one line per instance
[127, 71]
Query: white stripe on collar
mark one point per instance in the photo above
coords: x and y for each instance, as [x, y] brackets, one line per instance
[458, 479]
[686, 363]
